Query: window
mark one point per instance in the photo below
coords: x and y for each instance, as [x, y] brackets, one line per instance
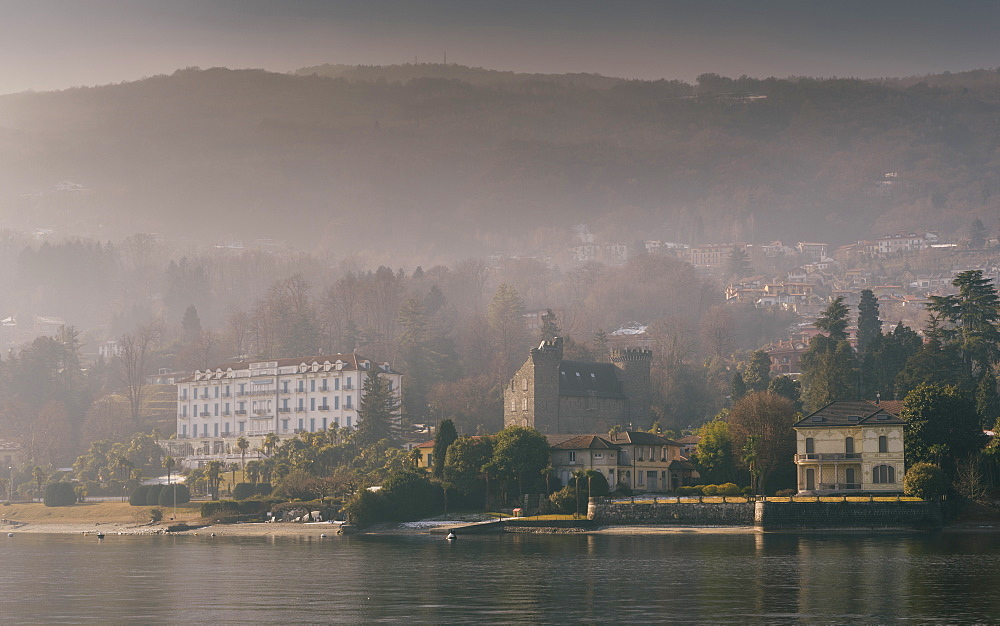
[524, 384]
[348, 421]
[849, 446]
[301, 406]
[598, 455]
[336, 384]
[524, 404]
[883, 474]
[347, 404]
[323, 386]
[638, 450]
[184, 411]
[217, 409]
[194, 393]
[204, 430]
[226, 429]
[312, 404]
[312, 385]
[572, 456]
[184, 394]
[184, 430]
[284, 386]
[336, 403]
[216, 429]
[216, 392]
[312, 424]
[810, 445]
[324, 423]
[301, 423]
[302, 386]
[242, 426]
[883, 444]
[347, 383]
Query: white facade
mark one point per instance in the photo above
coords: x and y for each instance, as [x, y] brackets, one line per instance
[284, 397]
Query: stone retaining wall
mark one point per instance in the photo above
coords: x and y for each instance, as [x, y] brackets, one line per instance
[769, 515]
[805, 515]
[606, 512]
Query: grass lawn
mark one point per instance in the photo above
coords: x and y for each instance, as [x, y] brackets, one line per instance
[92, 512]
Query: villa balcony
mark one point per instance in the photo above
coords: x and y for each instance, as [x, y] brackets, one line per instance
[284, 409]
[205, 414]
[241, 412]
[825, 456]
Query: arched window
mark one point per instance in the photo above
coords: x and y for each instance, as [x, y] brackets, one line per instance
[883, 444]
[883, 474]
[810, 445]
[849, 445]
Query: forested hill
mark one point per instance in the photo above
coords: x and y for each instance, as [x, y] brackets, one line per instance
[442, 167]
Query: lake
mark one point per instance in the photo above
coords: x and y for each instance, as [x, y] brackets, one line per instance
[680, 577]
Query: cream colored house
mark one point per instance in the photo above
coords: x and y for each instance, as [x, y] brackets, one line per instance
[638, 460]
[849, 447]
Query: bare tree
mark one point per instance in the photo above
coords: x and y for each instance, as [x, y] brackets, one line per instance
[761, 429]
[136, 349]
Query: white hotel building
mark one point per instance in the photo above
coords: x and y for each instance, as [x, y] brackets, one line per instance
[284, 397]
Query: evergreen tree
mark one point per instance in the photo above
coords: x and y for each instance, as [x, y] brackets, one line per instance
[714, 456]
[446, 435]
[833, 320]
[977, 234]
[377, 412]
[869, 325]
[738, 264]
[829, 372]
[738, 388]
[191, 325]
[505, 317]
[885, 358]
[987, 399]
[933, 363]
[602, 345]
[757, 374]
[973, 314]
[549, 328]
[942, 426]
[787, 387]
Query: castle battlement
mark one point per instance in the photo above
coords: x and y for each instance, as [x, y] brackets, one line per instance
[631, 355]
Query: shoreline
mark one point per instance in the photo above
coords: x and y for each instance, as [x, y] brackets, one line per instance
[330, 529]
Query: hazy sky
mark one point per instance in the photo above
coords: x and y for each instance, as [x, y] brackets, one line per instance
[53, 44]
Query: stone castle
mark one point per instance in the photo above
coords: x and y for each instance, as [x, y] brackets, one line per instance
[554, 395]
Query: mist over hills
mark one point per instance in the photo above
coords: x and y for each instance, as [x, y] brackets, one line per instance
[438, 161]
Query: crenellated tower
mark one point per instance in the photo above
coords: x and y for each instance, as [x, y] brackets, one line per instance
[633, 366]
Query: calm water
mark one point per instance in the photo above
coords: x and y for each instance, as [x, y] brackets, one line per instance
[508, 578]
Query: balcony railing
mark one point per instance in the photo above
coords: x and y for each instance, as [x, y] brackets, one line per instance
[227, 395]
[829, 456]
[241, 412]
[205, 414]
[300, 409]
[839, 486]
[325, 407]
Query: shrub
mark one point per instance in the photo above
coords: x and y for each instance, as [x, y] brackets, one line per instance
[155, 514]
[710, 490]
[729, 489]
[60, 494]
[564, 501]
[747, 491]
[264, 489]
[153, 495]
[138, 497]
[785, 493]
[365, 508]
[925, 481]
[694, 490]
[409, 496]
[242, 491]
[623, 489]
[167, 495]
[598, 484]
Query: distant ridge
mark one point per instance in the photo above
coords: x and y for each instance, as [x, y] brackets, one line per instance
[473, 75]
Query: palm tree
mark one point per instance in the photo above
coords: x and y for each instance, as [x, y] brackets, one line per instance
[253, 471]
[214, 472]
[232, 468]
[39, 475]
[168, 463]
[548, 472]
[270, 443]
[243, 444]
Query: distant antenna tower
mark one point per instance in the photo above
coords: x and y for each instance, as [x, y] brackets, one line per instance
[446, 58]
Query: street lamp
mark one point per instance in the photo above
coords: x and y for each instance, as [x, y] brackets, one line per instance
[10, 487]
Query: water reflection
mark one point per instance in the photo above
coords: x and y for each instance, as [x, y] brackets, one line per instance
[680, 577]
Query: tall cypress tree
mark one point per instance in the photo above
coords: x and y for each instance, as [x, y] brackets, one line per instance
[446, 435]
[869, 325]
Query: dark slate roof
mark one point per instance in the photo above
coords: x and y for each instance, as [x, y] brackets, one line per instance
[844, 413]
[585, 442]
[637, 437]
[582, 378]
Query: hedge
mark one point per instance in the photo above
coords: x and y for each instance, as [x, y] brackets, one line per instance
[242, 491]
[153, 495]
[167, 495]
[138, 497]
[60, 494]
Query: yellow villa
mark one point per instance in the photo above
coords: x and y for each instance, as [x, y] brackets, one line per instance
[851, 447]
